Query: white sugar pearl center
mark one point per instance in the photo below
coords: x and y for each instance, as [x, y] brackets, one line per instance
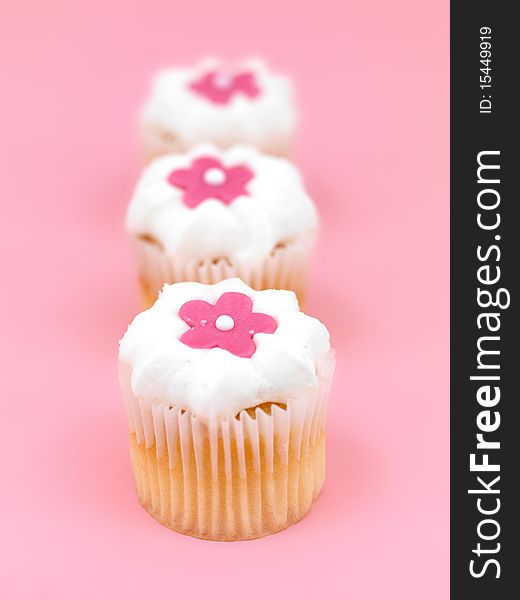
[222, 80]
[214, 176]
[224, 323]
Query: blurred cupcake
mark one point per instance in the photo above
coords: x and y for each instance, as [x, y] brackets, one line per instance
[209, 214]
[226, 390]
[220, 104]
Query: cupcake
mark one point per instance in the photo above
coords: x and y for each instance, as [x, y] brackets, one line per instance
[226, 390]
[212, 214]
[220, 104]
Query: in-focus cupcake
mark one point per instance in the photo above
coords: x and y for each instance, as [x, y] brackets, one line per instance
[226, 390]
[219, 103]
[211, 214]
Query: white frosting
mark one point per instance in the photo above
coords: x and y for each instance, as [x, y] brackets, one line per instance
[174, 107]
[277, 208]
[216, 382]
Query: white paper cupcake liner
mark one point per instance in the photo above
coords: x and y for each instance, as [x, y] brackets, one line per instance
[228, 478]
[157, 141]
[284, 268]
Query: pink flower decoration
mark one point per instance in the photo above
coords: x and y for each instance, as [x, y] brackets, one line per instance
[208, 178]
[220, 87]
[228, 324]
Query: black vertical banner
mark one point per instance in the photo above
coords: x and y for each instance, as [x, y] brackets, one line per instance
[485, 268]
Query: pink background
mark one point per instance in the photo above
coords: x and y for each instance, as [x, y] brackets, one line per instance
[373, 82]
